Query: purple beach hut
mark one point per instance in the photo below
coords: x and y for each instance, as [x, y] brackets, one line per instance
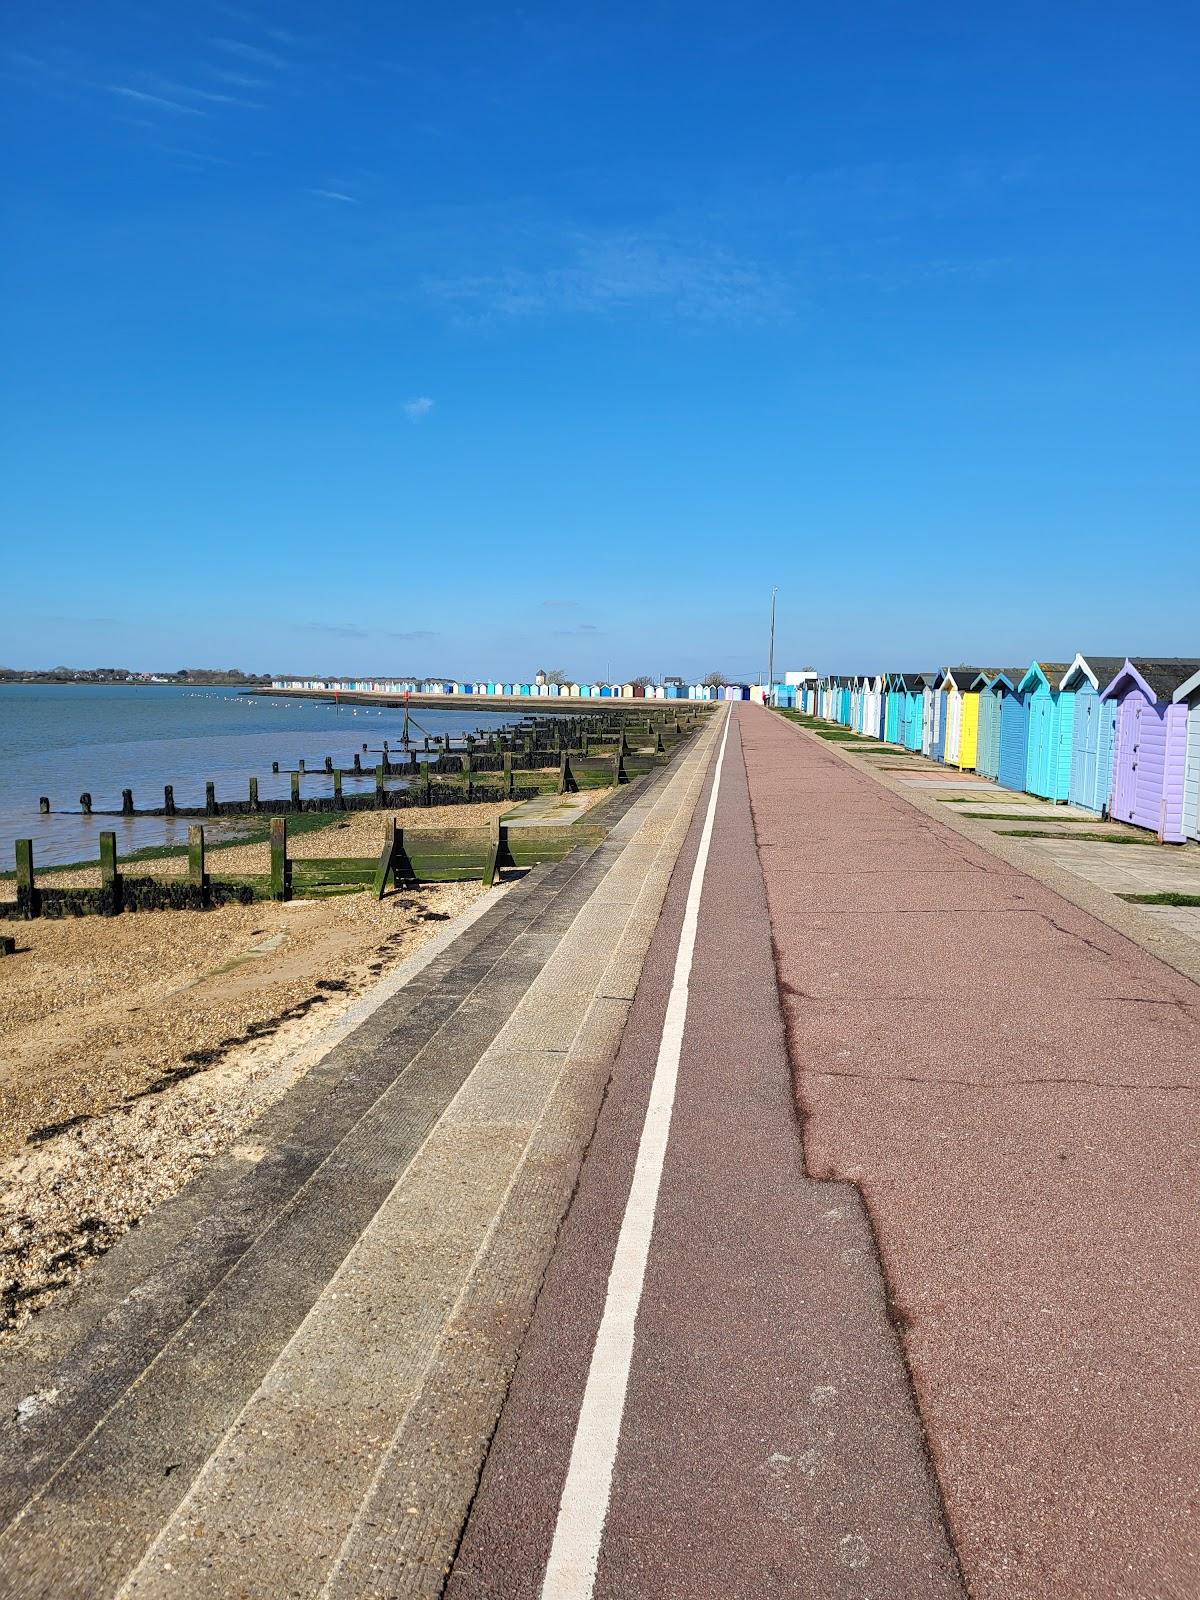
[1150, 743]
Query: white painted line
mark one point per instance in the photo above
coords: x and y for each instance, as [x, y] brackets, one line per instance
[571, 1570]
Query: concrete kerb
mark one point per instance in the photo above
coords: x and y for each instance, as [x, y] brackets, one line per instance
[1174, 949]
[443, 1280]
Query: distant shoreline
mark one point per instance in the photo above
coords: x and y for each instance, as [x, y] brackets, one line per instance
[34, 680]
[540, 704]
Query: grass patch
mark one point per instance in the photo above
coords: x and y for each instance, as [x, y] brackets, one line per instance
[1170, 898]
[1095, 838]
[1023, 816]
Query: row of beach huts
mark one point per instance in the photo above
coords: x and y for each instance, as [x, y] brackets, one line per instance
[671, 689]
[1119, 736]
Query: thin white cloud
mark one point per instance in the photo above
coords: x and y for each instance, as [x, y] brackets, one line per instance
[416, 410]
[143, 98]
[335, 194]
[239, 80]
[599, 273]
[252, 52]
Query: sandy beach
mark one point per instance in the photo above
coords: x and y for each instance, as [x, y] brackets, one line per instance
[138, 1047]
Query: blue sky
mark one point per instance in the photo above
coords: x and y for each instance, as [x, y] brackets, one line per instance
[470, 339]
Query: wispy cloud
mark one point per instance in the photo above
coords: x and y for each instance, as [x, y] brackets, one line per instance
[609, 272]
[335, 194]
[158, 100]
[561, 605]
[412, 634]
[573, 633]
[416, 410]
[239, 80]
[252, 52]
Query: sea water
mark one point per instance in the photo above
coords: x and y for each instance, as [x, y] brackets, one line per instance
[61, 740]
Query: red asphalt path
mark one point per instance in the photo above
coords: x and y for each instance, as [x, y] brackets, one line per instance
[769, 1445]
[1012, 1087]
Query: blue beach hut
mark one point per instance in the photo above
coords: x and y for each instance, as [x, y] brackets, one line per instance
[1092, 729]
[1048, 738]
[991, 700]
[1014, 737]
[890, 719]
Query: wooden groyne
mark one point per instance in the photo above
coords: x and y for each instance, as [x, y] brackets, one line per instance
[515, 763]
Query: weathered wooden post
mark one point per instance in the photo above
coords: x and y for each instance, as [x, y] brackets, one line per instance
[390, 856]
[169, 799]
[210, 799]
[566, 778]
[8, 945]
[29, 900]
[337, 792]
[328, 763]
[296, 790]
[110, 878]
[659, 747]
[300, 764]
[85, 803]
[126, 802]
[274, 766]
[44, 804]
[254, 794]
[281, 867]
[428, 796]
[496, 841]
[357, 762]
[379, 787]
[197, 876]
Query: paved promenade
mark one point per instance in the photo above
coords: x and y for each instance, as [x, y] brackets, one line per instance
[788, 1197]
[1010, 1086]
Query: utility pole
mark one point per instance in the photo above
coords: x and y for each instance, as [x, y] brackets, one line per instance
[771, 646]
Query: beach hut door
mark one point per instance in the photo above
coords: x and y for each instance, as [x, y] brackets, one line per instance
[1089, 740]
[1128, 731]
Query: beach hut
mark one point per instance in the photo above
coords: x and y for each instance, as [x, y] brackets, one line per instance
[872, 700]
[892, 697]
[962, 716]
[1093, 722]
[1048, 735]
[1014, 736]
[991, 699]
[913, 713]
[1150, 744]
[931, 714]
[941, 703]
[1188, 696]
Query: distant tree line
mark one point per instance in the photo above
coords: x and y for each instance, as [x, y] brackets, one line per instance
[126, 675]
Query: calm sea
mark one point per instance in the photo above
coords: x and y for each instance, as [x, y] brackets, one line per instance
[60, 740]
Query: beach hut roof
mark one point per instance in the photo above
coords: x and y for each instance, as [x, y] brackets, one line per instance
[1188, 687]
[1160, 679]
[1051, 671]
[1099, 669]
[960, 677]
[1005, 678]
